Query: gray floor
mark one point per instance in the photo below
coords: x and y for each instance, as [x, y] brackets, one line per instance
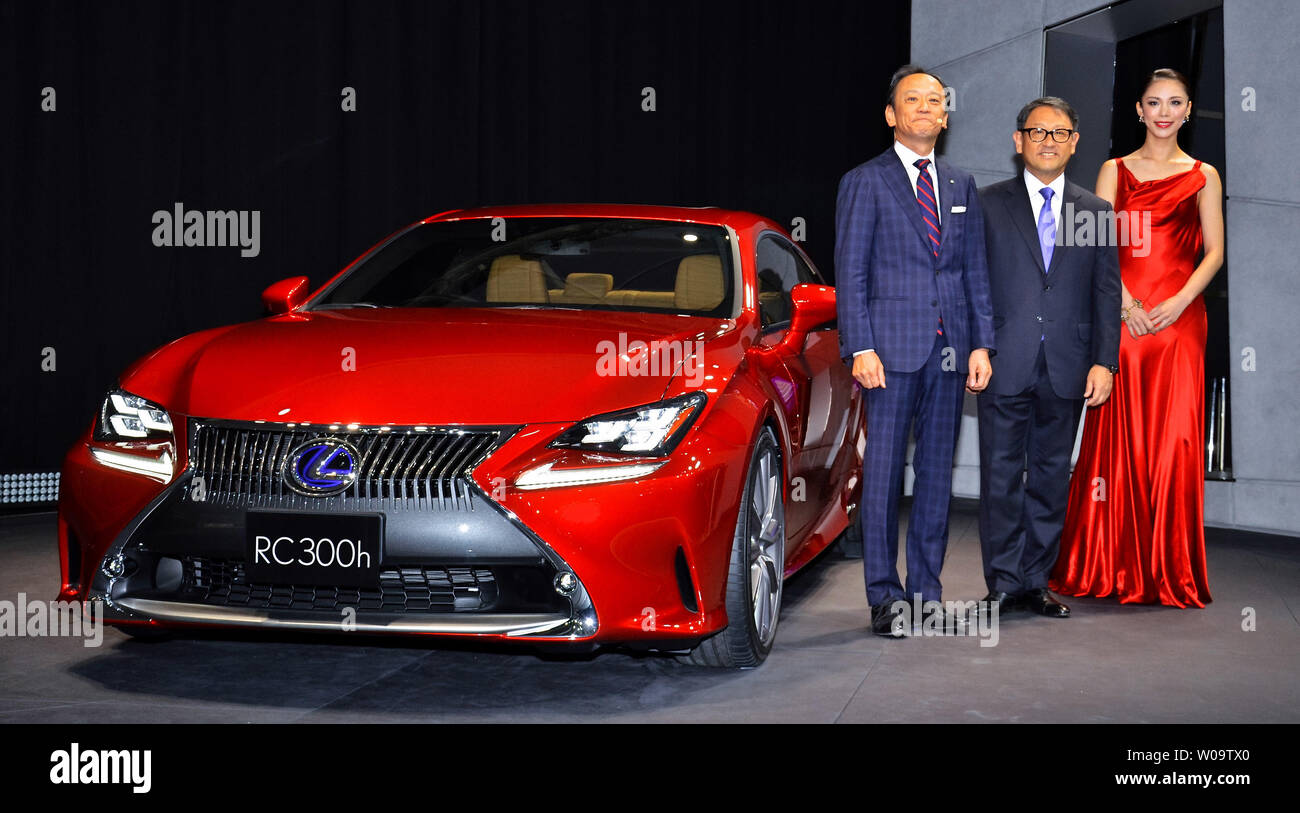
[1109, 663]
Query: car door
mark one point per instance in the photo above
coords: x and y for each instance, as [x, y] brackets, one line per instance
[812, 384]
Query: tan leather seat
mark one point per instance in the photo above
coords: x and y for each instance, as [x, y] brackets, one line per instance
[585, 289]
[700, 286]
[514, 279]
[641, 299]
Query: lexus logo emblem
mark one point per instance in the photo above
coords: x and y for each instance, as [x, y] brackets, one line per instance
[321, 467]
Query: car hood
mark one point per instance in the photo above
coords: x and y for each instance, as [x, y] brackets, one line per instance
[419, 365]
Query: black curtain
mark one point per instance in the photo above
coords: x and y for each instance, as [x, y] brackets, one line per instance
[237, 106]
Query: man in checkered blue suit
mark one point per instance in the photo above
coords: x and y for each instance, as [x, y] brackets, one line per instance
[916, 324]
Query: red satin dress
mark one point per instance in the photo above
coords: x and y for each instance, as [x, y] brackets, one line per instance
[1134, 527]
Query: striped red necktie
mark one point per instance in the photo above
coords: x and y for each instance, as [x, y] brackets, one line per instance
[925, 197]
[929, 204]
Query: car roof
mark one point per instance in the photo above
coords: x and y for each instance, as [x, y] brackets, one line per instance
[689, 214]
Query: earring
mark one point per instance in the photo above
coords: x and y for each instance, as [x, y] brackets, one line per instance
[1141, 119]
[1186, 119]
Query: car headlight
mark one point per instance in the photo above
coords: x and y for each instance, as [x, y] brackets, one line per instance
[653, 430]
[137, 436]
[547, 476]
[124, 416]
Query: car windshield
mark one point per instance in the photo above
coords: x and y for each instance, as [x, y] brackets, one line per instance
[603, 264]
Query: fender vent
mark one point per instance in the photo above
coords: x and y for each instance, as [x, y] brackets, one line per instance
[685, 585]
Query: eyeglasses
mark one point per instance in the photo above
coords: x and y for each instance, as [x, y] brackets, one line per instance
[1037, 134]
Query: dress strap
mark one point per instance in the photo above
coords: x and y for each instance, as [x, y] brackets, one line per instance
[1122, 171]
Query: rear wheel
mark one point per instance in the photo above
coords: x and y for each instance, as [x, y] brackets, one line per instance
[755, 574]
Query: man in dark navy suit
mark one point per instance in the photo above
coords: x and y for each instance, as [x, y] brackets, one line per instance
[1056, 313]
[915, 322]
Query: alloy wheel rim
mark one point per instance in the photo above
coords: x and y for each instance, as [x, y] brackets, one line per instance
[766, 546]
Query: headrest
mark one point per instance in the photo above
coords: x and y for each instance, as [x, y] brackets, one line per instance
[587, 288]
[700, 286]
[514, 279]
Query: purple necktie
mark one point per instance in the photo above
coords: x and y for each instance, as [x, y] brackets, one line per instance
[1046, 229]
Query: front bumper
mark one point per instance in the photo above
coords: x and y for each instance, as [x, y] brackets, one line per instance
[647, 557]
[507, 624]
[454, 562]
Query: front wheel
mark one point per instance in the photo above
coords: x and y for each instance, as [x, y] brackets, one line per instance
[755, 574]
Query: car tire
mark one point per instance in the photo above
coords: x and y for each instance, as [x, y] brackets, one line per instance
[756, 568]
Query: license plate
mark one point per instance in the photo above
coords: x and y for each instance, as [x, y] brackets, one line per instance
[317, 549]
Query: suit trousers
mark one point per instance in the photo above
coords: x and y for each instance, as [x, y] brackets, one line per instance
[1025, 446]
[929, 402]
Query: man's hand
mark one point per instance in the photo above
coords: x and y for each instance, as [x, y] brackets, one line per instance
[1100, 382]
[868, 370]
[980, 370]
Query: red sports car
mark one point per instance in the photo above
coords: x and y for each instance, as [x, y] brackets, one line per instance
[578, 424]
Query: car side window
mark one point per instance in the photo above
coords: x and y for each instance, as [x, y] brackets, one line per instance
[780, 268]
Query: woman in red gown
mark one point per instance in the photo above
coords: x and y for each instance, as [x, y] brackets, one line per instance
[1134, 527]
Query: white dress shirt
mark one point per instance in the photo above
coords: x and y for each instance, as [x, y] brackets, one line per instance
[1035, 188]
[909, 163]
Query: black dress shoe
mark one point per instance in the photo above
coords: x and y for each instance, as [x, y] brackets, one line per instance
[883, 620]
[1005, 602]
[1043, 602]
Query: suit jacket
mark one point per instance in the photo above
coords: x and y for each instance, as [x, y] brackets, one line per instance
[1075, 304]
[890, 289]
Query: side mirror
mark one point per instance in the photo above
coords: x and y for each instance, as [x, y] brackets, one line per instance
[811, 306]
[285, 295]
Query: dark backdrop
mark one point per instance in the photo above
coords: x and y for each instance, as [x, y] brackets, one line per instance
[760, 106]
